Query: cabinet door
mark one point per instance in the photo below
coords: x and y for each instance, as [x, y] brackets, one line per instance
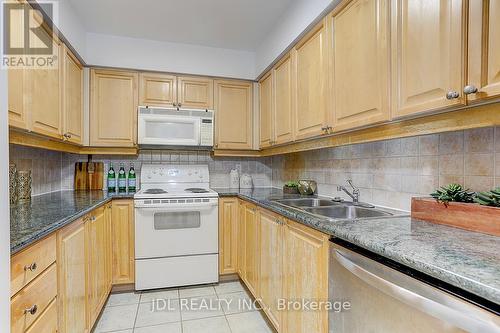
[360, 82]
[71, 270]
[16, 79]
[266, 111]
[73, 98]
[113, 112]
[122, 235]
[427, 55]
[157, 90]
[484, 50]
[195, 92]
[233, 112]
[283, 101]
[310, 59]
[251, 249]
[228, 235]
[241, 240]
[98, 259]
[271, 264]
[306, 277]
[45, 90]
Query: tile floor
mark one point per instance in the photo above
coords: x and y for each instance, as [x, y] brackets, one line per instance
[223, 308]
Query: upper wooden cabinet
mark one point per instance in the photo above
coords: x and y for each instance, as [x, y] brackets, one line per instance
[18, 116]
[195, 92]
[166, 90]
[157, 89]
[228, 235]
[311, 70]
[44, 88]
[71, 270]
[73, 98]
[233, 114]
[123, 241]
[283, 100]
[266, 111]
[427, 55]
[360, 63]
[483, 81]
[113, 108]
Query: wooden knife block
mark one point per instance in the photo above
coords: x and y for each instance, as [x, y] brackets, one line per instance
[89, 175]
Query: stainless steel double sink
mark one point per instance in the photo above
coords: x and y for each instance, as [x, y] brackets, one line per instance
[337, 210]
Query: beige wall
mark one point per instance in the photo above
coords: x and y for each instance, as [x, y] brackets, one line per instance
[390, 172]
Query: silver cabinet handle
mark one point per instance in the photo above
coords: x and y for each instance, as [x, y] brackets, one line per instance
[452, 95]
[32, 267]
[174, 104]
[179, 104]
[418, 294]
[470, 90]
[31, 310]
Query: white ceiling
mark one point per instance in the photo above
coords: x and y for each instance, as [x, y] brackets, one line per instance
[231, 24]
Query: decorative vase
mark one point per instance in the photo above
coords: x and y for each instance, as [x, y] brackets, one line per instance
[12, 183]
[23, 185]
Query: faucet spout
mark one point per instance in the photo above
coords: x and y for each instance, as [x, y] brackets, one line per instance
[355, 191]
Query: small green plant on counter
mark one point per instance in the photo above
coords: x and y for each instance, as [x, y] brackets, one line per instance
[453, 193]
[292, 183]
[491, 198]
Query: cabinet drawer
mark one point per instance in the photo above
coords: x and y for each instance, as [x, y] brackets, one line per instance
[47, 323]
[37, 295]
[29, 263]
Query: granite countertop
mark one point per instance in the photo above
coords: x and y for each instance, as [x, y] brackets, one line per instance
[46, 213]
[464, 259]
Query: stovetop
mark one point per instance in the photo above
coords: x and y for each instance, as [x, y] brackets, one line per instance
[166, 181]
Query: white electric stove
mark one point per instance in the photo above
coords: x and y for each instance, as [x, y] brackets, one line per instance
[176, 227]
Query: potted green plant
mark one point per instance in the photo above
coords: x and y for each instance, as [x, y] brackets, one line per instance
[291, 187]
[459, 207]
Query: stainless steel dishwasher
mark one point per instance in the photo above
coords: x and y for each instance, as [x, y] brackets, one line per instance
[383, 299]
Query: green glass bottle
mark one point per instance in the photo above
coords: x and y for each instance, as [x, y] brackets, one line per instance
[122, 179]
[111, 179]
[131, 179]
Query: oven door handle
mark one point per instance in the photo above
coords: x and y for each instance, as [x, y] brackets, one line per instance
[418, 295]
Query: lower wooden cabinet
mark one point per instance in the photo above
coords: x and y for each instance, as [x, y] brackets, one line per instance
[72, 269]
[305, 277]
[228, 235]
[122, 231]
[271, 264]
[98, 253]
[241, 239]
[47, 322]
[282, 260]
[29, 303]
[251, 249]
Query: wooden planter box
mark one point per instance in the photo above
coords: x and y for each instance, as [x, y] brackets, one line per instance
[468, 216]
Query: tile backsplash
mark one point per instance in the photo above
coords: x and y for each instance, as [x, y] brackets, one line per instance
[45, 166]
[260, 169]
[388, 172]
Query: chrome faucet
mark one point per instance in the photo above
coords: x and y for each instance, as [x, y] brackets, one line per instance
[355, 191]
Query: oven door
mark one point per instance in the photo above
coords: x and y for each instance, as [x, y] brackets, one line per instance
[176, 230]
[168, 130]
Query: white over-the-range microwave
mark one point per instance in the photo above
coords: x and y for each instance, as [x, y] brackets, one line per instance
[173, 127]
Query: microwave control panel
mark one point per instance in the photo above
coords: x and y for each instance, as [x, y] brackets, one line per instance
[207, 132]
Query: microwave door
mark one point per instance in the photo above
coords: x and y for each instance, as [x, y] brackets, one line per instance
[169, 130]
